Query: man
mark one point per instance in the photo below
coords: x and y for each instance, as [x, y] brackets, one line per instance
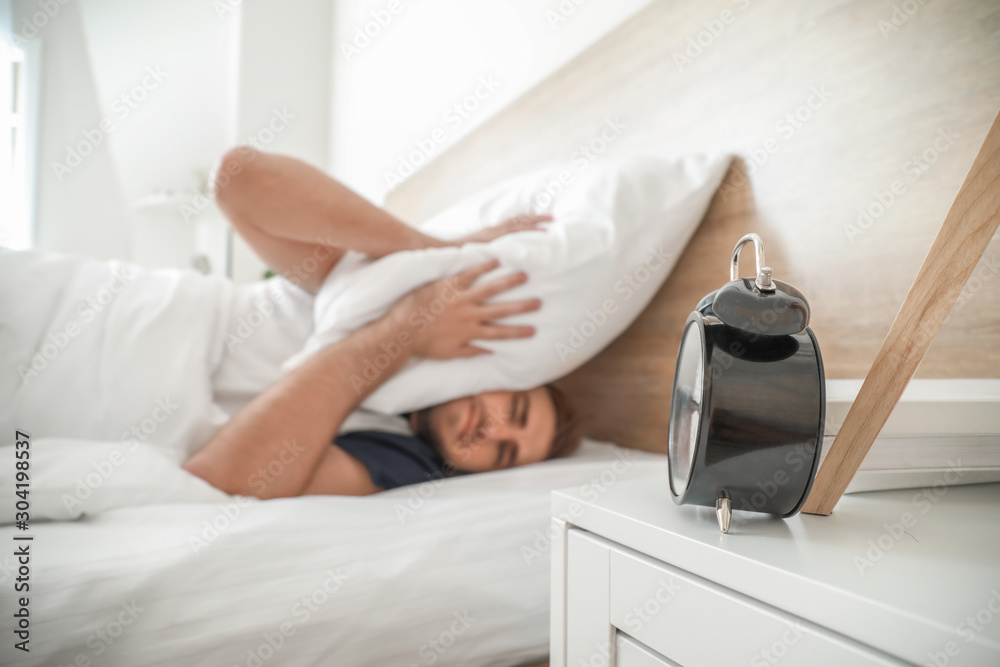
[280, 205]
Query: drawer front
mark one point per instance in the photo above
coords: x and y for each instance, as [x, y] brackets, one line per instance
[633, 654]
[695, 622]
[589, 633]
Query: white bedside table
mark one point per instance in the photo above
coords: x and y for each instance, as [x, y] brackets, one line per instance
[893, 577]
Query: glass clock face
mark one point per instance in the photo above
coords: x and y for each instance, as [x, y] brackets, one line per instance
[685, 412]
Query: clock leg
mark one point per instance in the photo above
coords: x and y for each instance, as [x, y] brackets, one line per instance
[723, 510]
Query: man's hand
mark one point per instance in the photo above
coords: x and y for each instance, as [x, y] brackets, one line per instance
[519, 223]
[307, 406]
[447, 314]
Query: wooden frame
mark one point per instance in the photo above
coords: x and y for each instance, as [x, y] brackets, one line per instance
[958, 247]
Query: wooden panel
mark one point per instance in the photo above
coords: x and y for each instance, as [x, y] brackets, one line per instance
[905, 108]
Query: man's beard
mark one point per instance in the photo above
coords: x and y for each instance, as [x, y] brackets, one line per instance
[423, 428]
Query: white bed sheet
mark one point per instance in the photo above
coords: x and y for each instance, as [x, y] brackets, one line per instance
[450, 573]
[137, 562]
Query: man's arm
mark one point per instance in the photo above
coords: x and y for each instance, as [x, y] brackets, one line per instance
[292, 424]
[290, 212]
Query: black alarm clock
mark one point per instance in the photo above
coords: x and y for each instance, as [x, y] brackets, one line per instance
[749, 398]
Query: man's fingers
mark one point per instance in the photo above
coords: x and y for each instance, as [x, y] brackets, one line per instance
[496, 311]
[533, 217]
[472, 351]
[502, 331]
[497, 286]
[466, 277]
[527, 221]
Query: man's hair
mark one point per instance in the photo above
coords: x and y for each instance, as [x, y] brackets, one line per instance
[569, 430]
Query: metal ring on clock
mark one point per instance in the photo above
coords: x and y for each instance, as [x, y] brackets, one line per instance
[763, 280]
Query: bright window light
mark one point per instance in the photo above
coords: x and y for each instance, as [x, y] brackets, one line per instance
[15, 221]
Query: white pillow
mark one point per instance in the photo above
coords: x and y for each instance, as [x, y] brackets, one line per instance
[619, 226]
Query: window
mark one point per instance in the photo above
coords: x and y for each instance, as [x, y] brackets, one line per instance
[15, 219]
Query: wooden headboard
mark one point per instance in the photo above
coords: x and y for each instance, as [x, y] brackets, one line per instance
[855, 124]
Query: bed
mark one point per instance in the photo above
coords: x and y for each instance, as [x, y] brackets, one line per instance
[133, 560]
[192, 576]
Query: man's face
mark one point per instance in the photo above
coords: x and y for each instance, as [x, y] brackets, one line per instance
[494, 429]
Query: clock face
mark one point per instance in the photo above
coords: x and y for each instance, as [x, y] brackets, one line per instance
[685, 411]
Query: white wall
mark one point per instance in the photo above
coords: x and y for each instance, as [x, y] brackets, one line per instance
[179, 82]
[391, 92]
[283, 92]
[284, 64]
[164, 76]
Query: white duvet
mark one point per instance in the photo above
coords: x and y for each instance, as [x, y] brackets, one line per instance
[118, 375]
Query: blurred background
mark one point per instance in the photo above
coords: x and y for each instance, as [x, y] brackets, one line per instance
[118, 111]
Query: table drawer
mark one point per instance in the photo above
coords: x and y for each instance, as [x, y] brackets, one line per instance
[695, 622]
[631, 653]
